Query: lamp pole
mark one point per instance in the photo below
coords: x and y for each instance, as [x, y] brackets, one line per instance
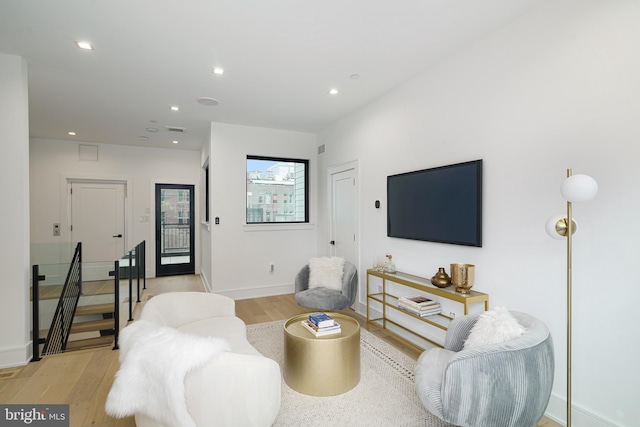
[569, 279]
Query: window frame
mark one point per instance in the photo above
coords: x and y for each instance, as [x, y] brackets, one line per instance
[305, 162]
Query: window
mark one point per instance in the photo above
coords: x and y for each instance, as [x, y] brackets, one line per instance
[269, 178]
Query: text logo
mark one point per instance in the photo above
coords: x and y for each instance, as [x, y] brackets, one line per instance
[34, 415]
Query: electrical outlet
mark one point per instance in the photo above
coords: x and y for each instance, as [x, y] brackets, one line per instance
[452, 314]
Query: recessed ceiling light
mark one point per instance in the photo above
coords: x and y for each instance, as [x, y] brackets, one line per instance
[175, 142]
[175, 108]
[208, 101]
[219, 71]
[333, 91]
[72, 133]
[152, 130]
[84, 45]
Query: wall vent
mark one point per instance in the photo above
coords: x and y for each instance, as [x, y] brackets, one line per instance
[175, 129]
[321, 149]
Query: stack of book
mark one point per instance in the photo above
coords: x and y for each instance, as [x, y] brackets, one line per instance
[419, 305]
[321, 324]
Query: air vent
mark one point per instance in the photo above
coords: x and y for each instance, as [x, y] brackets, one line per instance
[175, 129]
[321, 149]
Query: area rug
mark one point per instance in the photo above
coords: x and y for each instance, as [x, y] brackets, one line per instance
[385, 396]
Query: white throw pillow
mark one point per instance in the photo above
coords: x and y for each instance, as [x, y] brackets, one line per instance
[493, 327]
[326, 273]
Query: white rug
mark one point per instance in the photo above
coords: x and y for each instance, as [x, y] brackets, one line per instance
[385, 396]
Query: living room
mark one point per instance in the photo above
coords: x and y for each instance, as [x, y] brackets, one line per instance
[555, 89]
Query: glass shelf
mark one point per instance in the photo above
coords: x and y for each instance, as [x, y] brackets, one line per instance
[389, 302]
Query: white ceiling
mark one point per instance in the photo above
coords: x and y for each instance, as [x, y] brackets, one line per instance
[280, 59]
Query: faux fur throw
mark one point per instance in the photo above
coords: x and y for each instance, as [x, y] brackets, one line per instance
[326, 272]
[154, 361]
[494, 327]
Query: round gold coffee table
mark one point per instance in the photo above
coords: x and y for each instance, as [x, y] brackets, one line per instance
[322, 366]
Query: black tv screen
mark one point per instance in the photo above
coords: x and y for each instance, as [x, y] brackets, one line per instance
[441, 204]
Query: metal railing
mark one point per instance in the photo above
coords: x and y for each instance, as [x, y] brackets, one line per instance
[130, 266]
[58, 335]
[175, 238]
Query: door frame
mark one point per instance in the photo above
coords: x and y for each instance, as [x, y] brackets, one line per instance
[150, 211]
[331, 170]
[184, 268]
[65, 201]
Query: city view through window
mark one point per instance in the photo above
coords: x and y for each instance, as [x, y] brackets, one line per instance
[276, 190]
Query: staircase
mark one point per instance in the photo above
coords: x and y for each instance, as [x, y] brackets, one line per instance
[83, 314]
[93, 323]
[89, 332]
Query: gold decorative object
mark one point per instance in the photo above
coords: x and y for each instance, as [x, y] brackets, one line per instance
[441, 279]
[462, 277]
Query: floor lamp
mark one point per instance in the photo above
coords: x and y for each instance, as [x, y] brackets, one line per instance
[576, 188]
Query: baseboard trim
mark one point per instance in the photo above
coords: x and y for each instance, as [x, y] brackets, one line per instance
[16, 356]
[557, 411]
[256, 292]
[205, 282]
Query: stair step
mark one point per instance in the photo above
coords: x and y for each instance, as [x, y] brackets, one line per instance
[95, 309]
[89, 343]
[94, 325]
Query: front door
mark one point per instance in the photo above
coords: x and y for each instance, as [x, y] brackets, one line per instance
[175, 238]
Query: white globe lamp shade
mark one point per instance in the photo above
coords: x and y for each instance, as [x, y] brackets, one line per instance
[579, 188]
[556, 226]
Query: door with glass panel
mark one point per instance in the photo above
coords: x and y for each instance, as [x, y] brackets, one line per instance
[175, 238]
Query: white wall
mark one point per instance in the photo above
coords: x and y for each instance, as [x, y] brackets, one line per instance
[15, 346]
[52, 161]
[241, 253]
[556, 89]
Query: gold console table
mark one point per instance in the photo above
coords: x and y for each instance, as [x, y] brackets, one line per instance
[387, 301]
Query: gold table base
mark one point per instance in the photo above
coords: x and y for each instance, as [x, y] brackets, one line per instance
[322, 366]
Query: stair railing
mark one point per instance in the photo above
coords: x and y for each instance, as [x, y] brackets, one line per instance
[133, 263]
[59, 330]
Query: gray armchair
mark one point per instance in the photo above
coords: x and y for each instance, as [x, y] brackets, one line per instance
[323, 298]
[501, 385]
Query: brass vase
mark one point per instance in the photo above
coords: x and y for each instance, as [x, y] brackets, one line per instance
[462, 277]
[441, 279]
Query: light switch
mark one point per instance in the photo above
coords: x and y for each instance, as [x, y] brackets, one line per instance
[56, 229]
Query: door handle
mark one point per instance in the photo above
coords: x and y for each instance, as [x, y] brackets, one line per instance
[119, 236]
[333, 242]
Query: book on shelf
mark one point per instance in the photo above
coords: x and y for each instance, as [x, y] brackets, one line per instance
[419, 308]
[421, 313]
[417, 301]
[321, 320]
[320, 332]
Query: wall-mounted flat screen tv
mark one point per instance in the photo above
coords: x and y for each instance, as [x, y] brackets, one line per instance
[441, 204]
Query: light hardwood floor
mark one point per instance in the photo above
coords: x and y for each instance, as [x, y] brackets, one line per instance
[83, 378]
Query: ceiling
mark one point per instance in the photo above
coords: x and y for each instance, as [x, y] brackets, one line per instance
[280, 58]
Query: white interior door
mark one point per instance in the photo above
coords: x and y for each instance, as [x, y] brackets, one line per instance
[344, 225]
[97, 220]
